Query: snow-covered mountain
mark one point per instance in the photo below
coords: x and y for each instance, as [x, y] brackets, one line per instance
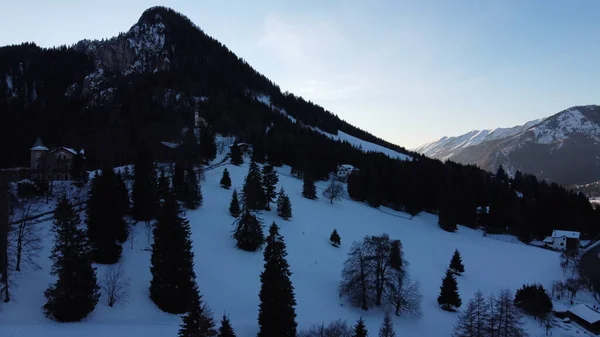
[564, 148]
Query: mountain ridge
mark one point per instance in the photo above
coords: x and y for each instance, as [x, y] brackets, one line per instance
[544, 147]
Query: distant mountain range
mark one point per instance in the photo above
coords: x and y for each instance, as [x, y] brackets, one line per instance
[564, 148]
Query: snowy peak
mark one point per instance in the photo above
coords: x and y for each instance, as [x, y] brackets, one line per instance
[540, 147]
[577, 120]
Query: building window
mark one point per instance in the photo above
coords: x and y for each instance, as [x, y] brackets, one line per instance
[37, 155]
[37, 166]
[562, 243]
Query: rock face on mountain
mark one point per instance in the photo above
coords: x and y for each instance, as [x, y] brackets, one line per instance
[564, 148]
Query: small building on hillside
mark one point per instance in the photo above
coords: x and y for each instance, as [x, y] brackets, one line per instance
[343, 171]
[585, 316]
[244, 147]
[563, 240]
[55, 163]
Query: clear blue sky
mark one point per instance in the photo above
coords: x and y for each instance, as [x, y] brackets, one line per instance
[407, 71]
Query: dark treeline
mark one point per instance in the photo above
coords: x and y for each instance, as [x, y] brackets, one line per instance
[52, 96]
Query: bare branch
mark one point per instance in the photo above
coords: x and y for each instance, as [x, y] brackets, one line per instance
[115, 285]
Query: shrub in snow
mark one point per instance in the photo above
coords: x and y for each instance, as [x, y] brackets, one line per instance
[337, 328]
[534, 300]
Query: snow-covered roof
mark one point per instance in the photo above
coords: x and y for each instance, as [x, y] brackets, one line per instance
[568, 234]
[549, 239]
[586, 313]
[171, 145]
[68, 149]
[559, 307]
[39, 148]
[346, 167]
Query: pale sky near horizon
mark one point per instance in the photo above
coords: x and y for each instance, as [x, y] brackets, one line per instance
[407, 71]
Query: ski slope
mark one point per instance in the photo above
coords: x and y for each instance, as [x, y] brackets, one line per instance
[229, 278]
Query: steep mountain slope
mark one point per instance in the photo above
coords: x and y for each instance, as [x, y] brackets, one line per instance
[144, 84]
[229, 278]
[564, 148]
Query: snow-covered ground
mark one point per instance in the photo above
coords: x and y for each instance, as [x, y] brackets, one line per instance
[229, 278]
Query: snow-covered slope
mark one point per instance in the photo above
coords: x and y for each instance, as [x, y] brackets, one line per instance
[340, 136]
[564, 148]
[229, 278]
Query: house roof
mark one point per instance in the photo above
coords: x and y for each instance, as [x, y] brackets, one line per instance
[64, 148]
[549, 239]
[345, 167]
[170, 145]
[39, 145]
[568, 234]
[586, 313]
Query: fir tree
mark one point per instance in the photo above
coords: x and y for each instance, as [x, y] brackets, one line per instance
[248, 231]
[179, 186]
[387, 327]
[208, 147]
[226, 330]
[226, 179]
[193, 193]
[284, 206]
[145, 189]
[449, 299]
[198, 322]
[163, 184]
[105, 212]
[456, 264]
[396, 256]
[309, 190]
[234, 205]
[335, 239]
[269, 182]
[360, 330]
[254, 194]
[76, 291]
[276, 315]
[236, 155]
[172, 287]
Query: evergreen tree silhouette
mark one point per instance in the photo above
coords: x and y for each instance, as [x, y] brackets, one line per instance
[449, 299]
[234, 205]
[225, 179]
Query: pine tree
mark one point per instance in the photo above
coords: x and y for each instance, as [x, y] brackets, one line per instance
[449, 299]
[309, 190]
[387, 327]
[179, 180]
[284, 206]
[236, 155]
[208, 147]
[335, 239]
[360, 330]
[225, 179]
[226, 330]
[269, 182]
[248, 231]
[397, 256]
[106, 225]
[145, 189]
[198, 322]
[276, 315]
[163, 184]
[172, 287]
[193, 193]
[234, 205]
[76, 291]
[473, 321]
[456, 264]
[509, 319]
[254, 194]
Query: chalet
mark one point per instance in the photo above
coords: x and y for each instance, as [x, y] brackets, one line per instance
[244, 147]
[585, 316]
[563, 240]
[343, 171]
[52, 164]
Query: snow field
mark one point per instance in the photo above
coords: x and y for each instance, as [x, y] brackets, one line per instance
[228, 278]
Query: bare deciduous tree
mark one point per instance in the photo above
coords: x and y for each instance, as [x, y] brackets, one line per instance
[115, 285]
[355, 278]
[25, 235]
[133, 231]
[338, 328]
[149, 228]
[405, 296]
[334, 190]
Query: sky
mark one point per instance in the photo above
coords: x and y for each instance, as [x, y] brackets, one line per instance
[409, 72]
